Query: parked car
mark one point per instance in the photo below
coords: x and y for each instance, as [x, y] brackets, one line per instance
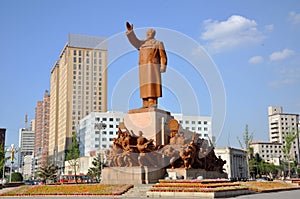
[29, 182]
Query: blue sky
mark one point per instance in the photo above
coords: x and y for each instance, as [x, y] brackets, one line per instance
[254, 46]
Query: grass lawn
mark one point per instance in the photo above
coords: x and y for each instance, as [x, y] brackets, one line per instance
[80, 189]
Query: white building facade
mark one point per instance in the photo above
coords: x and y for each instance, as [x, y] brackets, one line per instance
[92, 137]
[199, 124]
[236, 162]
[270, 152]
[26, 147]
[281, 124]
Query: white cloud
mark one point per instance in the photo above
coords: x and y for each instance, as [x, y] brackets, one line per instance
[256, 60]
[235, 31]
[281, 55]
[294, 18]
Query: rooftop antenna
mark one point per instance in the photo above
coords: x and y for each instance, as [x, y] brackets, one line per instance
[26, 121]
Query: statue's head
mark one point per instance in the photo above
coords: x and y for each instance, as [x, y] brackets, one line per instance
[150, 34]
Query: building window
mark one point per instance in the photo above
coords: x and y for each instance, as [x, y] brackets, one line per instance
[74, 52]
[111, 132]
[205, 122]
[74, 59]
[104, 139]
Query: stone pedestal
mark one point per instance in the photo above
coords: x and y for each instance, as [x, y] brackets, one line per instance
[132, 175]
[152, 122]
[194, 173]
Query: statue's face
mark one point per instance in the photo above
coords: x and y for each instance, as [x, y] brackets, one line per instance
[150, 34]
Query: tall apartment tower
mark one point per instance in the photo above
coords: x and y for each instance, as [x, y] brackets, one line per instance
[78, 86]
[41, 142]
[280, 124]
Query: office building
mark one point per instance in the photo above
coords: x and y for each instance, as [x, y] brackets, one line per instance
[78, 86]
[26, 146]
[41, 124]
[199, 124]
[92, 137]
[281, 124]
[270, 152]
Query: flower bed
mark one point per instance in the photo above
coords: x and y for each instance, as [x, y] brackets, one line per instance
[199, 185]
[269, 186]
[205, 181]
[79, 189]
[195, 189]
[210, 185]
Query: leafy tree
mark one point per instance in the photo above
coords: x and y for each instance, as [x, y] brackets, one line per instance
[286, 149]
[16, 177]
[73, 156]
[48, 172]
[3, 159]
[246, 146]
[95, 172]
[259, 167]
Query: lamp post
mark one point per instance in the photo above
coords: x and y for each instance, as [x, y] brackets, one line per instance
[100, 126]
[12, 151]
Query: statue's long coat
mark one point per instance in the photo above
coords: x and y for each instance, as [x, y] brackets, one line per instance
[152, 61]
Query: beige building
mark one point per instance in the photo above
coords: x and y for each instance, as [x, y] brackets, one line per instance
[280, 124]
[78, 86]
[269, 151]
[236, 163]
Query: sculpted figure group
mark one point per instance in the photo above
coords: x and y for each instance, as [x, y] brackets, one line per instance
[129, 150]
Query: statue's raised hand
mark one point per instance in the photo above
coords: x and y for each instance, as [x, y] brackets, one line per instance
[129, 26]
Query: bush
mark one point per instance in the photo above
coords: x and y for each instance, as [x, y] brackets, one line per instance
[16, 177]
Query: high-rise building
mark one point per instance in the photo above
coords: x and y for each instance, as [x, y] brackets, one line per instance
[26, 146]
[78, 86]
[281, 124]
[2, 137]
[41, 142]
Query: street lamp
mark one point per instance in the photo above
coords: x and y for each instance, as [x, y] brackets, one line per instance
[12, 151]
[100, 126]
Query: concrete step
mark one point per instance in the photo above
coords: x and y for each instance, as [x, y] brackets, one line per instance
[139, 190]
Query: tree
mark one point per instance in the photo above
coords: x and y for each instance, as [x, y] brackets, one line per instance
[95, 172]
[3, 159]
[246, 146]
[48, 172]
[16, 177]
[286, 149]
[73, 156]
